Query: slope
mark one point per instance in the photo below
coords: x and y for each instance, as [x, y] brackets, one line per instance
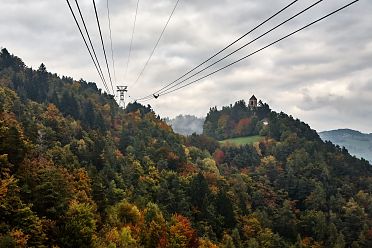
[358, 144]
[77, 171]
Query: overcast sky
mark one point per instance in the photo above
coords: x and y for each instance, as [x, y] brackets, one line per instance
[322, 75]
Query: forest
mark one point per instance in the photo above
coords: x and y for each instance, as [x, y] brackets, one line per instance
[78, 171]
[236, 120]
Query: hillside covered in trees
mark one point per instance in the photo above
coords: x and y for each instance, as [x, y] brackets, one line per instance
[236, 120]
[78, 171]
[357, 143]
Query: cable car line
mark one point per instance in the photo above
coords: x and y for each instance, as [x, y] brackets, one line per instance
[87, 46]
[90, 41]
[228, 46]
[263, 48]
[156, 44]
[103, 45]
[112, 50]
[131, 40]
[245, 45]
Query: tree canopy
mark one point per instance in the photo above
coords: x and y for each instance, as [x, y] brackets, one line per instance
[78, 171]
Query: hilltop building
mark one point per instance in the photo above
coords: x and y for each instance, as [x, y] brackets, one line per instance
[252, 102]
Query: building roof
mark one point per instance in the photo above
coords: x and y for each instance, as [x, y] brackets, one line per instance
[253, 98]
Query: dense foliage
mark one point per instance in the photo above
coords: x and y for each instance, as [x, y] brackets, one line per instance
[77, 171]
[236, 120]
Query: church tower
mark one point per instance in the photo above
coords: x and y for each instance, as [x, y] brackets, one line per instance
[252, 102]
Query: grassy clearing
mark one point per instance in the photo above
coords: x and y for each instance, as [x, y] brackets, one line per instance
[243, 140]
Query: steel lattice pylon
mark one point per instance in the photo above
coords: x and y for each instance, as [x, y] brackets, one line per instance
[121, 90]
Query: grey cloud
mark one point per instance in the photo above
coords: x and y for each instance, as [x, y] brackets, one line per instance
[321, 75]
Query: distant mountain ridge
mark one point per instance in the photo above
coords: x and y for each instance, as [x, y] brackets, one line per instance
[358, 143]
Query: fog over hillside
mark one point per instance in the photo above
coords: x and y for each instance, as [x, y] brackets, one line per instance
[186, 124]
[358, 144]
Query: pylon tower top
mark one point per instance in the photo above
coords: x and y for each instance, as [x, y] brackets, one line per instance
[121, 90]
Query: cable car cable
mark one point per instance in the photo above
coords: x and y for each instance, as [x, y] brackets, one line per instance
[87, 46]
[112, 49]
[103, 44]
[90, 41]
[228, 46]
[131, 40]
[263, 48]
[156, 44]
[245, 45]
